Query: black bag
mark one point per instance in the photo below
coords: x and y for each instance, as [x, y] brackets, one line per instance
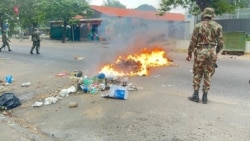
[9, 101]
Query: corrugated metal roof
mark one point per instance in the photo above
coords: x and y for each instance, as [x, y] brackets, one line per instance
[147, 15]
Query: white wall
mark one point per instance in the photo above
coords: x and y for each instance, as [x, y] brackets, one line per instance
[247, 47]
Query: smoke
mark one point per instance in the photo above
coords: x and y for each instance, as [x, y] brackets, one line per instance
[130, 35]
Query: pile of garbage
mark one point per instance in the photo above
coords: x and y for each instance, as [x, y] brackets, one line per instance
[116, 87]
[101, 82]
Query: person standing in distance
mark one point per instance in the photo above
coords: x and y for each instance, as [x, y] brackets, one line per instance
[36, 41]
[206, 43]
[6, 41]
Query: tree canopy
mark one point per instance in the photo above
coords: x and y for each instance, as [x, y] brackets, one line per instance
[146, 7]
[196, 6]
[114, 3]
[61, 10]
[32, 13]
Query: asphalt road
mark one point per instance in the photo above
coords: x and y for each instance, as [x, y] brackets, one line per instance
[231, 79]
[158, 111]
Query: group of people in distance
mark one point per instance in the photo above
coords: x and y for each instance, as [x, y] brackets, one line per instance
[35, 38]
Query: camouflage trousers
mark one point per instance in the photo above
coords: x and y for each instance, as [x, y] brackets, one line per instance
[36, 44]
[204, 67]
[5, 43]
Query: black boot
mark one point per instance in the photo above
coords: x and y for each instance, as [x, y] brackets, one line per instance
[37, 51]
[31, 51]
[204, 98]
[195, 97]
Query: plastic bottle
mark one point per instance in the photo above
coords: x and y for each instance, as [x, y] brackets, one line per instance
[26, 84]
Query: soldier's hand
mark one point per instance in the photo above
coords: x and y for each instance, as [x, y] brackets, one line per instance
[188, 58]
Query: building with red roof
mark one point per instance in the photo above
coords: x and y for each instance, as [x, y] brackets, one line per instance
[118, 19]
[111, 21]
[133, 13]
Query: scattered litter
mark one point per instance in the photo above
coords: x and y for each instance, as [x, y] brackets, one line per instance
[50, 100]
[66, 92]
[79, 58]
[62, 74]
[6, 113]
[37, 104]
[73, 104]
[9, 101]
[118, 92]
[132, 87]
[63, 93]
[26, 84]
[157, 75]
[117, 87]
[77, 73]
[9, 79]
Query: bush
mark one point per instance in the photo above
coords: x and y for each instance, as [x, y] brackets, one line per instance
[248, 38]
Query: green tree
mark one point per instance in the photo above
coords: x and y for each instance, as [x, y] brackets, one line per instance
[61, 10]
[6, 13]
[196, 6]
[24, 17]
[114, 3]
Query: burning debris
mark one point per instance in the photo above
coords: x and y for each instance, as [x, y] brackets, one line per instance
[137, 64]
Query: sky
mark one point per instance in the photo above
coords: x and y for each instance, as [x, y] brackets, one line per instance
[136, 3]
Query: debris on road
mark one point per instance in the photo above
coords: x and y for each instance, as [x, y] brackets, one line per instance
[73, 104]
[26, 84]
[9, 101]
[117, 91]
[8, 79]
[50, 100]
[79, 58]
[66, 92]
[37, 104]
[62, 74]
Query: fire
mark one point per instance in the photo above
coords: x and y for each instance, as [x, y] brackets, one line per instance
[137, 64]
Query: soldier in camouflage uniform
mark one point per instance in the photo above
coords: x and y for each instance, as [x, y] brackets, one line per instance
[36, 41]
[206, 43]
[6, 41]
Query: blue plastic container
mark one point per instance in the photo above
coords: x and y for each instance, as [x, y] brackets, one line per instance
[118, 92]
[121, 94]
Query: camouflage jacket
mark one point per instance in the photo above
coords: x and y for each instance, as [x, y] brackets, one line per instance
[35, 36]
[209, 33]
[5, 38]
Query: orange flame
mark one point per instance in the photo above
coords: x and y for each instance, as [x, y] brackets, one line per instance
[137, 64]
